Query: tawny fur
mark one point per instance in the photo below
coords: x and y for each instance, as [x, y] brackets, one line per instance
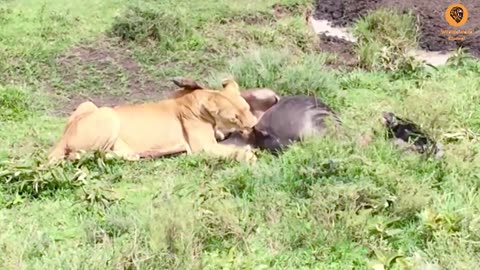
[183, 123]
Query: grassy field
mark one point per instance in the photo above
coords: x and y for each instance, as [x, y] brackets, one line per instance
[324, 204]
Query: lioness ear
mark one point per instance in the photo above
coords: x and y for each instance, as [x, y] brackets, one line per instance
[231, 86]
[187, 84]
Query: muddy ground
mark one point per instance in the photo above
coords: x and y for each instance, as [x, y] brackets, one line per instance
[342, 48]
[430, 14]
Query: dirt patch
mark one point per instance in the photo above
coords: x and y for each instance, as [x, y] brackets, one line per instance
[430, 14]
[277, 12]
[254, 18]
[342, 48]
[343, 12]
[283, 10]
[104, 72]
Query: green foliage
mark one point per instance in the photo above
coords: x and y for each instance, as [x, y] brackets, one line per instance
[387, 26]
[385, 40]
[149, 22]
[461, 58]
[218, 26]
[15, 104]
[33, 177]
[287, 72]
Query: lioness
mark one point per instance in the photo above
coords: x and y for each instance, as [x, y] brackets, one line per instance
[184, 123]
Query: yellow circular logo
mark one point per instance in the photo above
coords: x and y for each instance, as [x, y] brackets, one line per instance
[456, 15]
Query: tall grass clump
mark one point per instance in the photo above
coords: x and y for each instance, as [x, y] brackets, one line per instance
[462, 58]
[385, 40]
[15, 103]
[150, 22]
[287, 72]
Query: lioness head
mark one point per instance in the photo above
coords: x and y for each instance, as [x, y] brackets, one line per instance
[229, 109]
[259, 99]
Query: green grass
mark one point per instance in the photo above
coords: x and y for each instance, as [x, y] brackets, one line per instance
[324, 204]
[386, 39]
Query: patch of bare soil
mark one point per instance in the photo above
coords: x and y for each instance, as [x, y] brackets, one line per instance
[283, 10]
[342, 48]
[277, 12]
[254, 18]
[105, 73]
[430, 14]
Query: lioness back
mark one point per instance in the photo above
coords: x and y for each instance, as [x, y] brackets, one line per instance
[143, 124]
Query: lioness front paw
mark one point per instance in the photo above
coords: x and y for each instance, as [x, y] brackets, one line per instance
[76, 155]
[120, 155]
[219, 136]
[247, 156]
[131, 157]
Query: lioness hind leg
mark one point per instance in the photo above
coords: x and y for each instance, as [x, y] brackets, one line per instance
[82, 109]
[91, 131]
[60, 150]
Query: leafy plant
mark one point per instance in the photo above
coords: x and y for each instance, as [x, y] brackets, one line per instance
[460, 58]
[34, 178]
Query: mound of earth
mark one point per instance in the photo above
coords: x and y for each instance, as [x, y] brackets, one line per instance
[429, 12]
[105, 73]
